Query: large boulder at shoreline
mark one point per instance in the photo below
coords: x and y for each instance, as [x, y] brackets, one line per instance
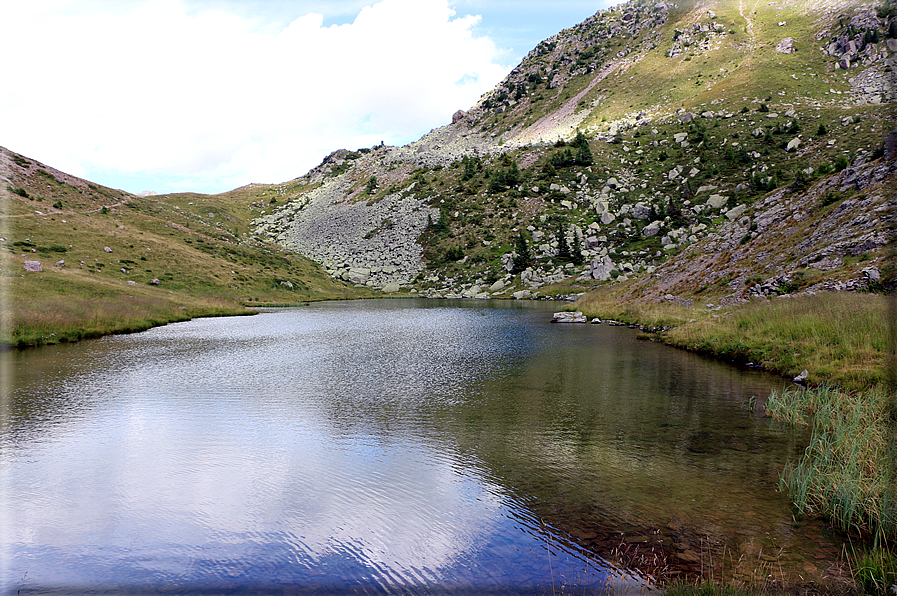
[569, 317]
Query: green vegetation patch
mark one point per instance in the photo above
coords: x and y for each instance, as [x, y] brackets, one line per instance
[847, 473]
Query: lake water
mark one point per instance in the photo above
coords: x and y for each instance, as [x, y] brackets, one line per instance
[392, 446]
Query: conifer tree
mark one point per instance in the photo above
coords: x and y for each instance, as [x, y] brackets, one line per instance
[523, 259]
[576, 253]
[583, 155]
[563, 246]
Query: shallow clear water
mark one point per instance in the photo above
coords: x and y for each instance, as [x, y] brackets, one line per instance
[400, 446]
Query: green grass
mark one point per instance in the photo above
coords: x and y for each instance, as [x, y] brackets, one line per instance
[876, 571]
[838, 338]
[708, 589]
[847, 473]
[98, 266]
[79, 309]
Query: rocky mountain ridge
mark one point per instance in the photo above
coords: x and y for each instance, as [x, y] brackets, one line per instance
[695, 151]
[794, 112]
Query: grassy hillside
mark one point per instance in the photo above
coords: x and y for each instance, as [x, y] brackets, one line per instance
[114, 262]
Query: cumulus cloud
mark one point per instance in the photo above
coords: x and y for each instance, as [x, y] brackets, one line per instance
[216, 99]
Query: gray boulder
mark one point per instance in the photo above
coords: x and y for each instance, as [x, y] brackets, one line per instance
[735, 212]
[786, 46]
[569, 317]
[470, 292]
[891, 145]
[652, 229]
[357, 275]
[872, 274]
[717, 201]
[600, 268]
[641, 211]
[33, 266]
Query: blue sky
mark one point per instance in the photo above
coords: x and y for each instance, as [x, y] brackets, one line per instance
[209, 95]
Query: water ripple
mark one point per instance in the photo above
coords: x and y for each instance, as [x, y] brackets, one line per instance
[381, 447]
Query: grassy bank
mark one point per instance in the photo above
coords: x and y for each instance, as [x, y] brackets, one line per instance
[116, 263]
[81, 310]
[841, 339]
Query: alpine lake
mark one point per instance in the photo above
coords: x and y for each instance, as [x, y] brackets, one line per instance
[402, 446]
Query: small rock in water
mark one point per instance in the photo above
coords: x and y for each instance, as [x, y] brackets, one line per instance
[801, 377]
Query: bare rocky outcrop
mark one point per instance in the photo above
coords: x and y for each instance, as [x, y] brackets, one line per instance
[790, 237]
[371, 244]
[786, 46]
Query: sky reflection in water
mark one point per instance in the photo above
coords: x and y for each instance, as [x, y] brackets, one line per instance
[375, 444]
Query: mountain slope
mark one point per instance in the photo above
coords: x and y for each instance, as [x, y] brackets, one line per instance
[702, 123]
[81, 260]
[719, 150]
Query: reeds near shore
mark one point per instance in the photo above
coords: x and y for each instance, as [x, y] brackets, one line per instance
[848, 471]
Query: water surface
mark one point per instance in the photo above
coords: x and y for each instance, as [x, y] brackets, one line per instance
[401, 446]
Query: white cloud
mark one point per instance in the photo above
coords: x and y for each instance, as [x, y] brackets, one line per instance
[218, 99]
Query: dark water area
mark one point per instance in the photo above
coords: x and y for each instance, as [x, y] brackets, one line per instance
[392, 446]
